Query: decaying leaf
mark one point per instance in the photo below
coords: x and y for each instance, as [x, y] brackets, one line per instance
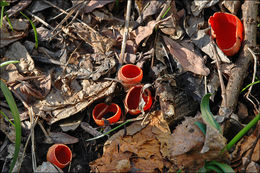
[63, 138]
[100, 44]
[189, 60]
[20, 27]
[18, 52]
[144, 31]
[141, 150]
[198, 5]
[48, 167]
[175, 103]
[186, 143]
[92, 4]
[199, 36]
[60, 106]
[151, 8]
[232, 6]
[247, 144]
[7, 129]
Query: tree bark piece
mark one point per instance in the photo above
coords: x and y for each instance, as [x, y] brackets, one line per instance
[239, 72]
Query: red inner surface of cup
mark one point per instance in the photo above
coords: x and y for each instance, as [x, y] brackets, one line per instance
[224, 26]
[134, 98]
[131, 71]
[63, 154]
[112, 108]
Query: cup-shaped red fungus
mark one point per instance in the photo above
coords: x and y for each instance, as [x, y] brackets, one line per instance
[132, 99]
[59, 155]
[227, 29]
[102, 109]
[130, 75]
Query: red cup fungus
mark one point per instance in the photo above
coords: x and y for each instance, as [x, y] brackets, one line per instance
[101, 109]
[227, 29]
[59, 155]
[132, 99]
[130, 75]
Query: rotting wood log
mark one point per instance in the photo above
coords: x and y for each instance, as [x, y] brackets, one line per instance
[175, 103]
[239, 72]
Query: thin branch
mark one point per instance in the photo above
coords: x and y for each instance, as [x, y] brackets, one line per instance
[123, 47]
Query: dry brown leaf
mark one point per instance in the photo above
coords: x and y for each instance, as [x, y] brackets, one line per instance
[63, 138]
[188, 59]
[92, 5]
[20, 31]
[141, 149]
[144, 31]
[152, 7]
[232, 6]
[198, 5]
[18, 52]
[99, 43]
[22, 4]
[60, 106]
[247, 144]
[185, 145]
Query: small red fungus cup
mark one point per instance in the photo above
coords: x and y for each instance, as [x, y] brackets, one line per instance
[132, 99]
[130, 75]
[59, 155]
[227, 29]
[101, 109]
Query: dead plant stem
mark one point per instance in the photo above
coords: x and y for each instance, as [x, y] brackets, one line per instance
[222, 85]
[123, 47]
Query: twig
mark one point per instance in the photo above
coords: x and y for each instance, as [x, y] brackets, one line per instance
[123, 47]
[253, 80]
[166, 6]
[222, 85]
[26, 144]
[40, 20]
[65, 12]
[239, 72]
[34, 163]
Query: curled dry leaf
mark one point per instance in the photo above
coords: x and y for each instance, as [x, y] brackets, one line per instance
[144, 31]
[188, 59]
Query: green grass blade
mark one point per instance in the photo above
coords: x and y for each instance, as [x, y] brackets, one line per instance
[2, 4]
[8, 62]
[10, 100]
[9, 22]
[206, 114]
[104, 134]
[222, 166]
[166, 12]
[241, 133]
[256, 82]
[2, 16]
[201, 126]
[1, 112]
[211, 168]
[34, 30]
